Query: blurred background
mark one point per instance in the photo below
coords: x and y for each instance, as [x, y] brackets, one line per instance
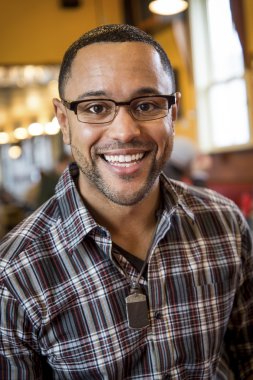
[210, 44]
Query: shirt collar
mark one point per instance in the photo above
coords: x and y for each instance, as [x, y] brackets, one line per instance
[77, 221]
[174, 196]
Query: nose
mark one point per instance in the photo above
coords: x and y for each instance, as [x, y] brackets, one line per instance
[124, 128]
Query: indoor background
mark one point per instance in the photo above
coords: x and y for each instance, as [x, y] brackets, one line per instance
[211, 49]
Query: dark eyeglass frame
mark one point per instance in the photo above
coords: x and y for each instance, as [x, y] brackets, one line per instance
[72, 106]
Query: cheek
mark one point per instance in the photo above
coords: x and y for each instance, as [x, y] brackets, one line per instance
[85, 136]
[164, 136]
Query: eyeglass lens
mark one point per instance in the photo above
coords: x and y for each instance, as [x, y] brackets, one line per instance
[104, 111]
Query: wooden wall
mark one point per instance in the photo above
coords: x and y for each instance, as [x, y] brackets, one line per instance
[39, 31]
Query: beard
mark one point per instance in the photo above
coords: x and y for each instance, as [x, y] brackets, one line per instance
[91, 171]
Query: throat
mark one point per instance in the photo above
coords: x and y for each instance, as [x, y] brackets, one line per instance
[133, 259]
[138, 250]
[136, 241]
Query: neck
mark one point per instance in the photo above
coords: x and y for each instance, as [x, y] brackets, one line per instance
[131, 227]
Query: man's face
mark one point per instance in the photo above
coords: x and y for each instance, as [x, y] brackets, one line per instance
[122, 159]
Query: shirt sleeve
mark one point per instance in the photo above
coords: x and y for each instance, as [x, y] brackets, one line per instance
[239, 337]
[19, 358]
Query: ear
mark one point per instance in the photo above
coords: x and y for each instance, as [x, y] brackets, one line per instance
[175, 107]
[61, 114]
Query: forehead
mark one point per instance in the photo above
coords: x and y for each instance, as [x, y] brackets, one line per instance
[111, 67]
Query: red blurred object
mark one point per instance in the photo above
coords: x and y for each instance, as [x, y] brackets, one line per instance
[246, 204]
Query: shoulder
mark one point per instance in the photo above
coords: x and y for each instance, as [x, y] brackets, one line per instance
[216, 221]
[194, 193]
[206, 204]
[30, 233]
[206, 197]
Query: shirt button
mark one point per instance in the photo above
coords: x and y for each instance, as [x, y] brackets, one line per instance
[158, 315]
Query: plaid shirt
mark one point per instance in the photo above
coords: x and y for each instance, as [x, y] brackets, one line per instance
[63, 293]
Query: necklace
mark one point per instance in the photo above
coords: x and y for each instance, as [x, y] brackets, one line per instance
[136, 301]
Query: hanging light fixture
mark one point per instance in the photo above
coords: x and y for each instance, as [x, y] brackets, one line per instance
[36, 129]
[14, 152]
[4, 138]
[20, 133]
[168, 7]
[52, 127]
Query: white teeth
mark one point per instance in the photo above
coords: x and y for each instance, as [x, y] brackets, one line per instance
[129, 158]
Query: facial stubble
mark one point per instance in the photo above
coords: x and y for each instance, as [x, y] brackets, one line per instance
[92, 173]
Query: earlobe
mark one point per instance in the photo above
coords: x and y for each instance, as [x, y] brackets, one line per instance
[60, 113]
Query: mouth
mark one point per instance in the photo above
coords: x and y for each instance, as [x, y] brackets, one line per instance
[123, 160]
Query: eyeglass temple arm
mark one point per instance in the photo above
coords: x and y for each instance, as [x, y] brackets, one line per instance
[172, 100]
[70, 106]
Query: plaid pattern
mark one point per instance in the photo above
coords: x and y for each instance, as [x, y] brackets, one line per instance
[63, 293]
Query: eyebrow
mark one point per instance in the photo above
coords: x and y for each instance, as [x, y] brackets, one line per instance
[148, 91]
[139, 92]
[91, 93]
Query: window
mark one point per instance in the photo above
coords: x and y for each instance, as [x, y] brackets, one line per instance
[222, 108]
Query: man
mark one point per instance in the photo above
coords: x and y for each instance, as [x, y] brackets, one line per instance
[44, 189]
[125, 274]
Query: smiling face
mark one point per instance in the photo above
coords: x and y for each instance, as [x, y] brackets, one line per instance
[120, 160]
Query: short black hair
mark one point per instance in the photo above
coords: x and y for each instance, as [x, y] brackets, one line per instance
[110, 33]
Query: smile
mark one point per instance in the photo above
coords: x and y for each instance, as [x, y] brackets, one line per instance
[123, 160]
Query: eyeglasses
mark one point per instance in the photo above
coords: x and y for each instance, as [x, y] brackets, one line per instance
[101, 111]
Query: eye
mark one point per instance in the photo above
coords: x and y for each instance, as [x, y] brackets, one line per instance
[145, 106]
[96, 108]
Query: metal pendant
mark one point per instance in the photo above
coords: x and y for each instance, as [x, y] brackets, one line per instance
[137, 310]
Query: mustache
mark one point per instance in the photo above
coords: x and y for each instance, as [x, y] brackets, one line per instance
[129, 145]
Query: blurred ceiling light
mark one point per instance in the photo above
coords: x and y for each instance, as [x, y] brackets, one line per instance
[4, 138]
[168, 7]
[33, 100]
[14, 152]
[29, 73]
[53, 127]
[36, 129]
[20, 133]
